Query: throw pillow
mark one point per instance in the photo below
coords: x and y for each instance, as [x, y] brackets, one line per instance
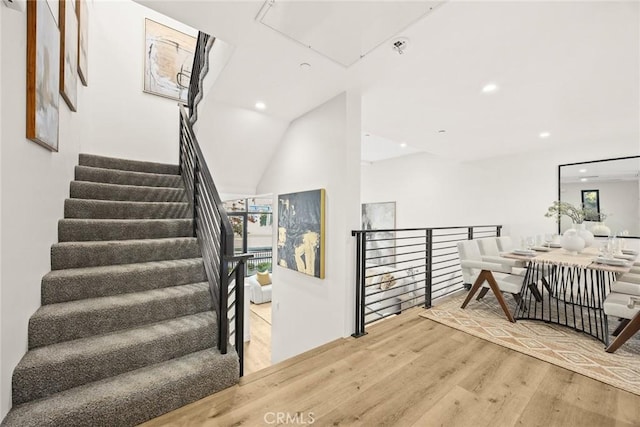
[264, 278]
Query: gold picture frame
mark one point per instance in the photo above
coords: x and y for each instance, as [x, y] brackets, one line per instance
[301, 232]
[43, 71]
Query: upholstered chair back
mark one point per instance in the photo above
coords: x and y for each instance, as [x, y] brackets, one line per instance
[468, 251]
[489, 246]
[505, 244]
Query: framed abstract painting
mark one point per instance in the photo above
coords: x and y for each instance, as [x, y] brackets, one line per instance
[82, 13]
[69, 53]
[168, 61]
[380, 245]
[301, 232]
[43, 75]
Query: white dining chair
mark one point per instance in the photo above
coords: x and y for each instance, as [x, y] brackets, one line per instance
[487, 275]
[626, 307]
[491, 253]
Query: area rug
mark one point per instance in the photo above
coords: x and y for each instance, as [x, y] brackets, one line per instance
[555, 344]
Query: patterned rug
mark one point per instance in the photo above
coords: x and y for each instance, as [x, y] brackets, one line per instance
[555, 344]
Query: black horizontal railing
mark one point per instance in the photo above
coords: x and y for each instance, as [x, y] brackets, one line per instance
[211, 226]
[397, 269]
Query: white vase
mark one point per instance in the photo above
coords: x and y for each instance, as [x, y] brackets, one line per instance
[601, 230]
[571, 241]
[586, 235]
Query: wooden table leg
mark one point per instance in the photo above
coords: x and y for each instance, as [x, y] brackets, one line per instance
[632, 327]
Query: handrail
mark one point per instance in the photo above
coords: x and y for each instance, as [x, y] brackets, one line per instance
[199, 70]
[390, 277]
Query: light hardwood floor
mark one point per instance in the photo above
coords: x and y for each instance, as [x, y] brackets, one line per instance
[411, 371]
[257, 351]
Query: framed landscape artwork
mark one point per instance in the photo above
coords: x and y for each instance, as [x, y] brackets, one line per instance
[69, 53]
[301, 232]
[380, 216]
[82, 13]
[591, 204]
[43, 71]
[168, 61]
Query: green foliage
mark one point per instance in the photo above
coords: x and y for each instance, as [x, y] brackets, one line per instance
[576, 214]
[264, 266]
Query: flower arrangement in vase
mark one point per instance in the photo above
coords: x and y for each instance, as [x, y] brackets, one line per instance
[570, 238]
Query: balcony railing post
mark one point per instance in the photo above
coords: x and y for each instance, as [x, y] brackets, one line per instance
[470, 233]
[498, 230]
[240, 308]
[428, 269]
[360, 283]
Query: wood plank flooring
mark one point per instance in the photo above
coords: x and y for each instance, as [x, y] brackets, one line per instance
[411, 371]
[257, 351]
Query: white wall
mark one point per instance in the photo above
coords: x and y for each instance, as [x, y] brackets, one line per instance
[319, 150]
[128, 122]
[114, 118]
[513, 190]
[34, 183]
[238, 144]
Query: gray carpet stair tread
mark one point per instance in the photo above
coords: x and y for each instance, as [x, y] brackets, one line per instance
[133, 193]
[54, 323]
[132, 397]
[92, 254]
[83, 229]
[127, 165]
[54, 368]
[110, 209]
[113, 176]
[92, 282]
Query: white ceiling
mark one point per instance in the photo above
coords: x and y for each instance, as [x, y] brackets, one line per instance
[568, 68]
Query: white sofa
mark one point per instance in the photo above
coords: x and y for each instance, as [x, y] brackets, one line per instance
[258, 294]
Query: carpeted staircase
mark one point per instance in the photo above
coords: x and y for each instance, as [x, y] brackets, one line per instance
[126, 330]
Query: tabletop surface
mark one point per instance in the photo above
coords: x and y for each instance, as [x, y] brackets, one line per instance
[558, 256]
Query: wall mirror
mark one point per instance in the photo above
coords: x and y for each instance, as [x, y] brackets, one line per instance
[610, 188]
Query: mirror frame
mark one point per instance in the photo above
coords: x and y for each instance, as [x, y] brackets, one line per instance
[586, 163]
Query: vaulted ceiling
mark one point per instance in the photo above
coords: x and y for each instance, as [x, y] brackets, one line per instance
[569, 69]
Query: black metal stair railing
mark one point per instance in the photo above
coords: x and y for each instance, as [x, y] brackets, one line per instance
[399, 269]
[211, 225]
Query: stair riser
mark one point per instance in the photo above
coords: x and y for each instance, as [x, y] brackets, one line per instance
[124, 252]
[132, 398]
[97, 209]
[61, 289]
[110, 176]
[79, 230]
[127, 165]
[178, 301]
[160, 343]
[97, 191]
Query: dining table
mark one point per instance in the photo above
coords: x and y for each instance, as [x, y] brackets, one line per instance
[569, 289]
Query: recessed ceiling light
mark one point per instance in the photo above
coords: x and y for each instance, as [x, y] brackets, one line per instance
[260, 105]
[583, 179]
[582, 170]
[305, 66]
[489, 87]
[442, 131]
[403, 145]
[544, 135]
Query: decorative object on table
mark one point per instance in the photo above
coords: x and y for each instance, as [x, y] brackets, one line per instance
[571, 241]
[168, 61]
[82, 13]
[43, 71]
[380, 216]
[577, 216]
[69, 53]
[600, 229]
[301, 232]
